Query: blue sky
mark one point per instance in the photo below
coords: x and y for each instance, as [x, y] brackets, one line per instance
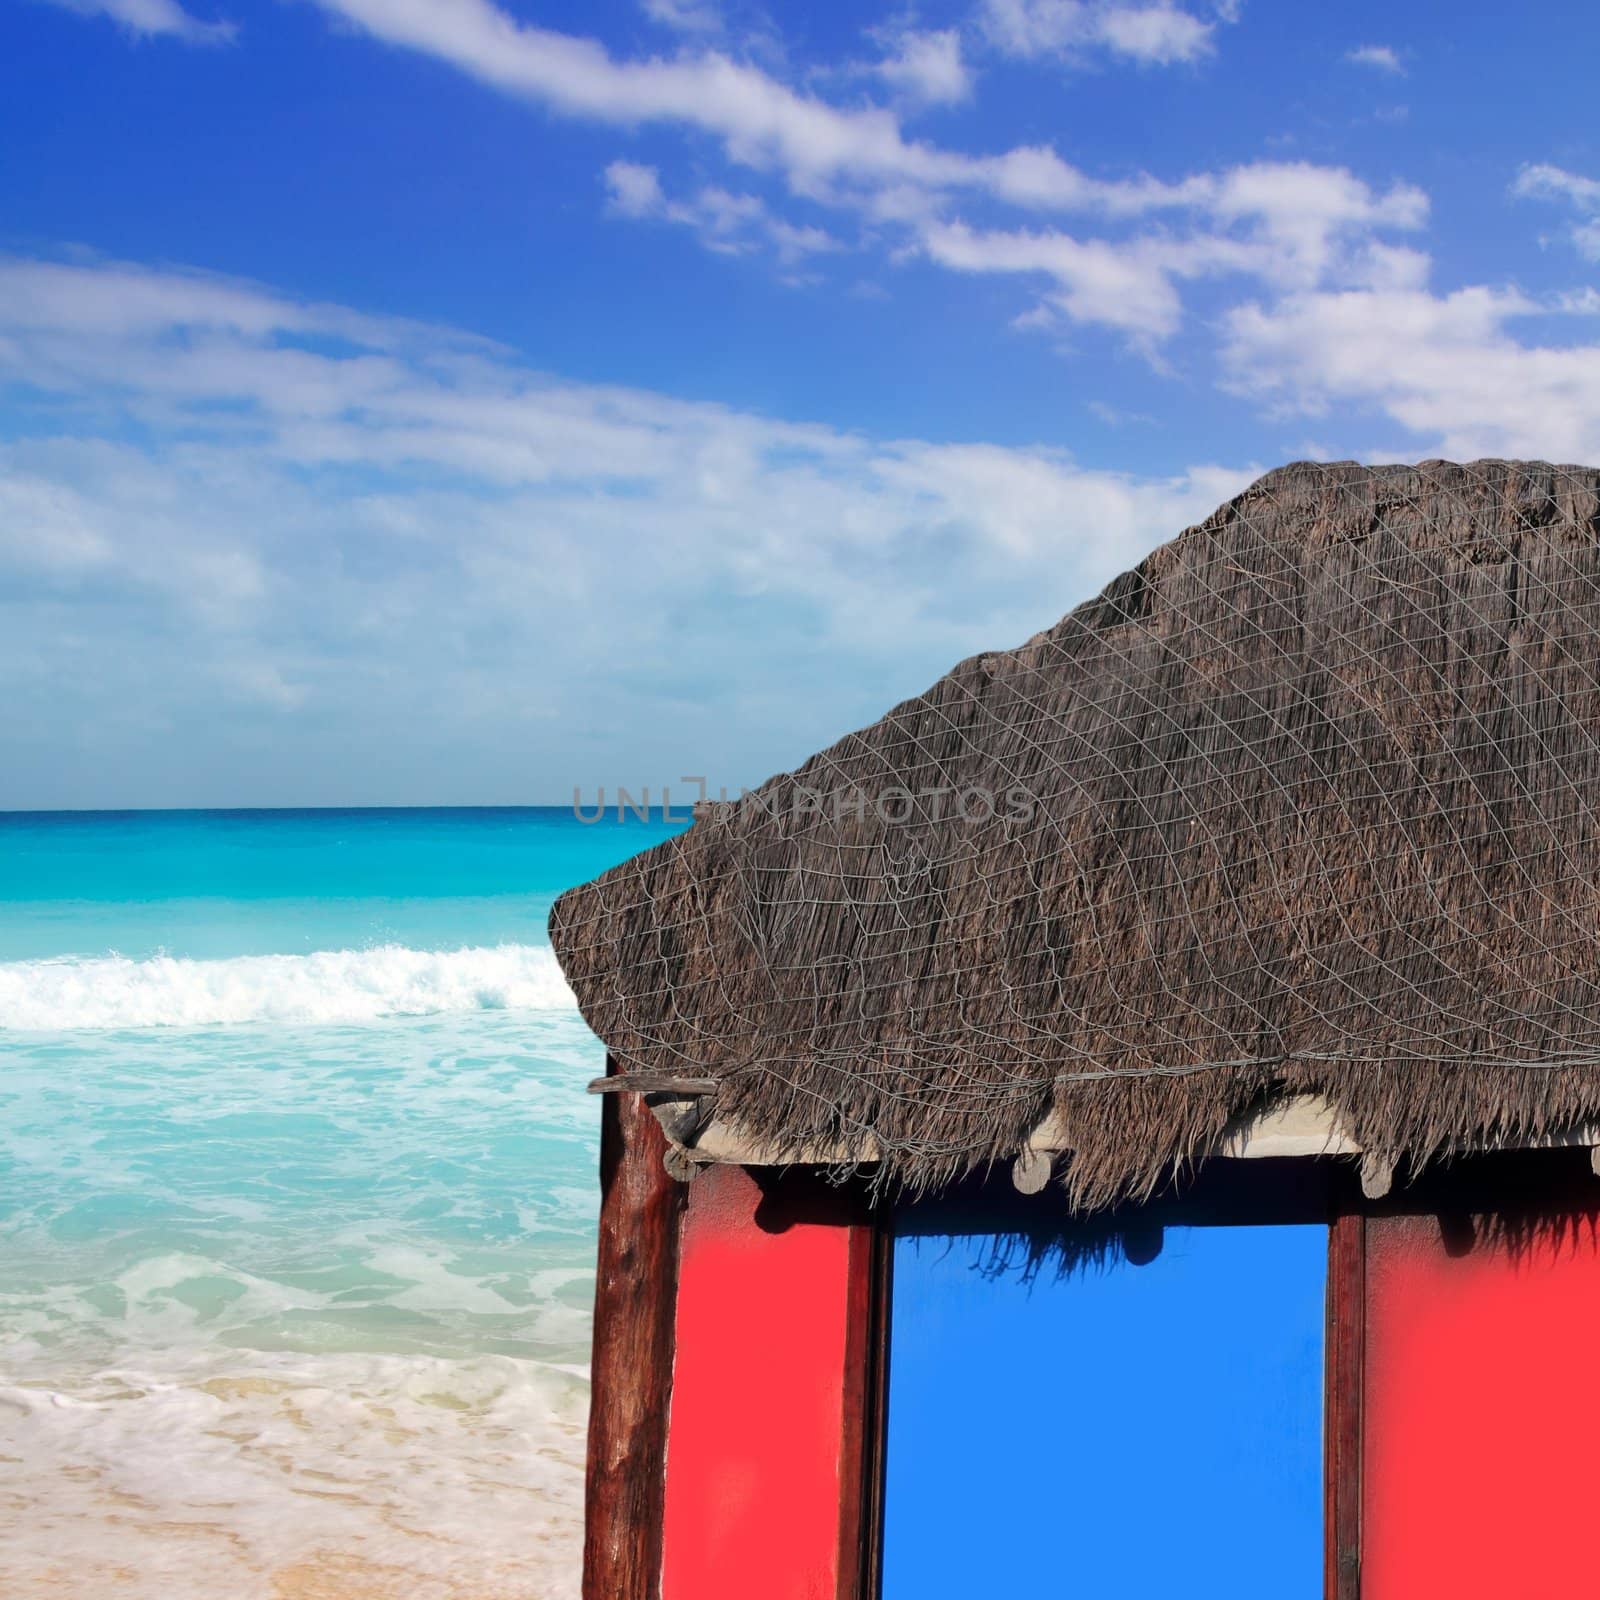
[436, 401]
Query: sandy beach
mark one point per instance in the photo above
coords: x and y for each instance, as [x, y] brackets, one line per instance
[387, 1481]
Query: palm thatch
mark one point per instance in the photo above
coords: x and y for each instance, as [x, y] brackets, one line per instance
[1305, 803]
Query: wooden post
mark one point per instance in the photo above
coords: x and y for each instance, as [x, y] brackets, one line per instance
[631, 1373]
[1344, 1358]
[867, 1572]
[860, 1451]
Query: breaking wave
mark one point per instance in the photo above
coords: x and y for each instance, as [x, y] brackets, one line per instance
[324, 986]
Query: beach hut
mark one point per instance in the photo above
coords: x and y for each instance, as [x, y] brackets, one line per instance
[1124, 1124]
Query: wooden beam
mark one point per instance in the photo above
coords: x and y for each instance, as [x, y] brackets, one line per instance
[651, 1083]
[631, 1372]
[1301, 1125]
[1294, 1126]
[1030, 1172]
[1344, 1364]
[1377, 1177]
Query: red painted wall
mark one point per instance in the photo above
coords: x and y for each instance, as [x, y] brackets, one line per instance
[1482, 1414]
[758, 1393]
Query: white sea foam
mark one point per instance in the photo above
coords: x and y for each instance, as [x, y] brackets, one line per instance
[189, 1476]
[325, 986]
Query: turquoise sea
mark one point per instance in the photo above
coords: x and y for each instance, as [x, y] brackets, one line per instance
[297, 1202]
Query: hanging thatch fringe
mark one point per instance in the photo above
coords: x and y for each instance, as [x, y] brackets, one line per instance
[1308, 802]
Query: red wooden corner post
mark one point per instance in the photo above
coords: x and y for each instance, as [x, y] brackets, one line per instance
[631, 1373]
[770, 1389]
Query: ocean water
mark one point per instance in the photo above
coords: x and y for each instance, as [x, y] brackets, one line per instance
[297, 1204]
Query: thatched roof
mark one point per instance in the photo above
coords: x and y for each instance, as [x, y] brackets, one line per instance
[1306, 803]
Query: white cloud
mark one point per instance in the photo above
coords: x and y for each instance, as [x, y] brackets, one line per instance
[762, 123]
[1329, 195]
[48, 527]
[122, 301]
[1380, 57]
[1556, 183]
[794, 243]
[350, 540]
[926, 67]
[1446, 367]
[685, 16]
[1152, 35]
[1302, 211]
[1583, 302]
[1290, 224]
[117, 523]
[1155, 35]
[730, 224]
[1129, 289]
[404, 560]
[1546, 182]
[154, 18]
[635, 189]
[1116, 417]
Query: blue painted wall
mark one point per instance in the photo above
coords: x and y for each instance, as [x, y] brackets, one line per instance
[1106, 1429]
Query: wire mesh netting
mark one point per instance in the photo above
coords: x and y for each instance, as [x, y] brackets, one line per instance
[1306, 802]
